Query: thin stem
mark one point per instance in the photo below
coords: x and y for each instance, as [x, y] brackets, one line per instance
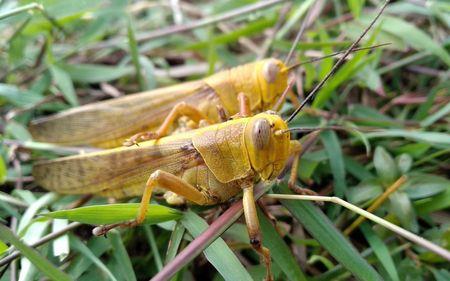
[49, 237]
[305, 22]
[210, 20]
[192, 25]
[376, 204]
[398, 230]
[18, 10]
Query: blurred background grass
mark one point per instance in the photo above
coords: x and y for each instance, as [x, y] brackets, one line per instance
[55, 55]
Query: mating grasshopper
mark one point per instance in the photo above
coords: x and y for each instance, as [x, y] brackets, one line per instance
[207, 166]
[215, 98]
[109, 123]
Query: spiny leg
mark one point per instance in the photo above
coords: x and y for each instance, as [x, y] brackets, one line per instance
[167, 181]
[254, 232]
[179, 110]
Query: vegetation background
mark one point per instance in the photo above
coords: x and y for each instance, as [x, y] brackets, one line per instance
[55, 55]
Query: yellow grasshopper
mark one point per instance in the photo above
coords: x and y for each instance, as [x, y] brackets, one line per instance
[109, 123]
[207, 166]
[214, 99]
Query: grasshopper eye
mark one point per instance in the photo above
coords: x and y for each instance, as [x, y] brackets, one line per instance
[270, 71]
[261, 133]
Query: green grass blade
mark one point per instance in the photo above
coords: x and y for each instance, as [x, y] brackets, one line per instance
[135, 54]
[412, 35]
[86, 252]
[115, 213]
[435, 203]
[279, 251]
[436, 116]
[47, 268]
[153, 246]
[322, 229]
[335, 155]
[175, 240]
[98, 246]
[218, 253]
[380, 250]
[231, 37]
[65, 84]
[96, 73]
[433, 138]
[121, 255]
[3, 247]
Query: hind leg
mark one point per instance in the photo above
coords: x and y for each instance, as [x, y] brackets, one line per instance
[169, 182]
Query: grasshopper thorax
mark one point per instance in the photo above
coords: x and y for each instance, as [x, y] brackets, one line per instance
[268, 151]
[262, 82]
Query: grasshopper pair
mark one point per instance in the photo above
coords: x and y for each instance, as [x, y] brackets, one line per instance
[207, 165]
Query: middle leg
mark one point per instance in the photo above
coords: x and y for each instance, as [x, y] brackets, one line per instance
[179, 110]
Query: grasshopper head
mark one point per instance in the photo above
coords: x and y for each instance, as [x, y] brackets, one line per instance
[272, 79]
[267, 150]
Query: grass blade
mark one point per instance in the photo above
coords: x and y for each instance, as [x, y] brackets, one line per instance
[280, 252]
[218, 253]
[47, 268]
[86, 252]
[321, 228]
[121, 255]
[115, 213]
[65, 84]
[98, 246]
[380, 250]
[175, 240]
[135, 54]
[153, 246]
[334, 151]
[433, 138]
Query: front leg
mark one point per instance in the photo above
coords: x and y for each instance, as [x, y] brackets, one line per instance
[179, 110]
[169, 182]
[254, 232]
[295, 150]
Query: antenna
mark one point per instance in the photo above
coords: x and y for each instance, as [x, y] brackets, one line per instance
[332, 55]
[299, 34]
[337, 65]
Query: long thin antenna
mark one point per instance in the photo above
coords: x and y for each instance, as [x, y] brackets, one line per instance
[332, 55]
[305, 22]
[337, 65]
[291, 83]
[336, 128]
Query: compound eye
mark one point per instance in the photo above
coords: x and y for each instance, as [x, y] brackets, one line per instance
[270, 71]
[261, 133]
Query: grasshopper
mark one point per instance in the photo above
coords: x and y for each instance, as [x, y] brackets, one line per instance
[109, 123]
[216, 98]
[207, 166]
